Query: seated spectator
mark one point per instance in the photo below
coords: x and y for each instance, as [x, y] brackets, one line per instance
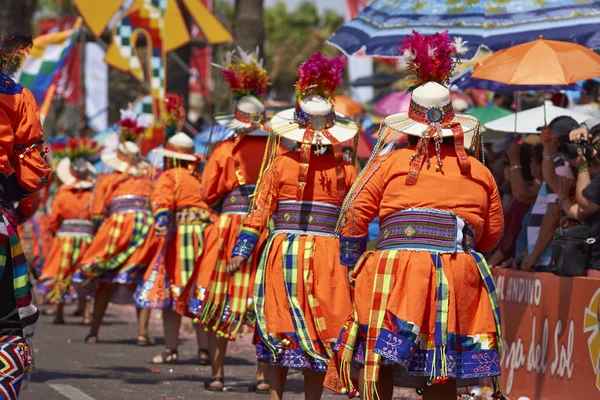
[545, 214]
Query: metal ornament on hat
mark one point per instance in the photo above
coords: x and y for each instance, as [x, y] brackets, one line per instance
[437, 119]
[317, 128]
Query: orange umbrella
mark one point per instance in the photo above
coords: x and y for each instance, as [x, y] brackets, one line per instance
[541, 62]
[347, 106]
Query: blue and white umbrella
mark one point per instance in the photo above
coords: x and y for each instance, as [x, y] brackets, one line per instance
[495, 24]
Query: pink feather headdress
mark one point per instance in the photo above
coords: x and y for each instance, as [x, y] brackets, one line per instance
[319, 76]
[245, 74]
[431, 58]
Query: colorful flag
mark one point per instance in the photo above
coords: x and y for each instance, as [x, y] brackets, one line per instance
[48, 56]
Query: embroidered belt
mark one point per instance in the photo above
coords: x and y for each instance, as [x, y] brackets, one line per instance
[191, 216]
[306, 217]
[426, 230]
[128, 204]
[76, 227]
[238, 200]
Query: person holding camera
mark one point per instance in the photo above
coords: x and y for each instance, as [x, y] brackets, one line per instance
[586, 204]
[545, 214]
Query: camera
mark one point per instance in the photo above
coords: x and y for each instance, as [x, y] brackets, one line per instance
[568, 151]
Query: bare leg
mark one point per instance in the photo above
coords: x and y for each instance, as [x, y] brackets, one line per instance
[202, 338]
[101, 301]
[277, 377]
[81, 305]
[313, 384]
[87, 312]
[261, 375]
[217, 347]
[385, 384]
[59, 317]
[143, 317]
[171, 324]
[445, 391]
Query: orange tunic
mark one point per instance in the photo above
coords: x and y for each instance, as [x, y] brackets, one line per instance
[299, 272]
[23, 171]
[123, 244]
[73, 231]
[221, 302]
[176, 199]
[422, 295]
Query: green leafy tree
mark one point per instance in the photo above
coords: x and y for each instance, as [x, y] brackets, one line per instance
[291, 37]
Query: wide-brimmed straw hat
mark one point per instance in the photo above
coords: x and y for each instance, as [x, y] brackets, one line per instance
[65, 174]
[123, 160]
[316, 113]
[180, 147]
[249, 116]
[431, 104]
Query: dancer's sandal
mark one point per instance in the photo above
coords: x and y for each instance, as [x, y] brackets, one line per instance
[91, 339]
[58, 321]
[166, 357]
[204, 357]
[258, 390]
[209, 385]
[145, 340]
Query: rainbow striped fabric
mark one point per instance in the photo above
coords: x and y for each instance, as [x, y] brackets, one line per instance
[48, 56]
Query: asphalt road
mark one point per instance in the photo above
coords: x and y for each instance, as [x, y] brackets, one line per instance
[115, 368]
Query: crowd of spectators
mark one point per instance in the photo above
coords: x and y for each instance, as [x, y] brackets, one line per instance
[551, 181]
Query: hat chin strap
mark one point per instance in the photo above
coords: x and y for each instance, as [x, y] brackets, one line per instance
[437, 119]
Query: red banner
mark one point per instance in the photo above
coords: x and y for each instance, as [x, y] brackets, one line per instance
[200, 63]
[68, 86]
[551, 338]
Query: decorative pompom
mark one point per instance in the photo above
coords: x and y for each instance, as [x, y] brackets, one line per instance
[319, 76]
[58, 147]
[85, 148]
[131, 126]
[245, 74]
[174, 114]
[431, 58]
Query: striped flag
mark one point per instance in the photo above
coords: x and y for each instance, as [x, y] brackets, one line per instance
[47, 57]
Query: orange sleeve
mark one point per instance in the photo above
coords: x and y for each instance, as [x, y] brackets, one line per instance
[211, 176]
[100, 192]
[257, 220]
[362, 210]
[163, 195]
[22, 150]
[493, 227]
[56, 216]
[29, 205]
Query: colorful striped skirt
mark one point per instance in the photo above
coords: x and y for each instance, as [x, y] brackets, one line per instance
[71, 241]
[174, 263]
[301, 293]
[425, 304]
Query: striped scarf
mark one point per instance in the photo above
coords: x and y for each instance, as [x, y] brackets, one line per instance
[188, 254]
[10, 246]
[223, 312]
